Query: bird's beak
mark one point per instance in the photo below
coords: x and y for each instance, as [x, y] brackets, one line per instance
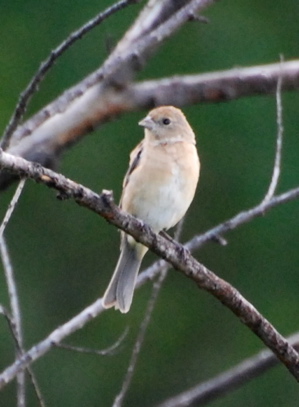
[147, 122]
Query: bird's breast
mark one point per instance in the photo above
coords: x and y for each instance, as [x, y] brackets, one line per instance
[161, 189]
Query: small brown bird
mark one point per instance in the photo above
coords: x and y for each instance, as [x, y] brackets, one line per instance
[158, 189]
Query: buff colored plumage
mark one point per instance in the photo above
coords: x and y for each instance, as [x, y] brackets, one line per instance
[158, 189]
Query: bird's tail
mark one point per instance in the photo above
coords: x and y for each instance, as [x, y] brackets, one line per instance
[121, 287]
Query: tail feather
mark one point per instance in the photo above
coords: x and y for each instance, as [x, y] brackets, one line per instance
[121, 287]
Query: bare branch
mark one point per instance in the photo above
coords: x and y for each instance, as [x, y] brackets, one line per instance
[231, 379]
[162, 18]
[16, 314]
[13, 294]
[118, 401]
[111, 350]
[78, 116]
[12, 206]
[277, 162]
[177, 90]
[176, 254]
[79, 321]
[15, 328]
[46, 65]
[15, 320]
[242, 218]
[214, 87]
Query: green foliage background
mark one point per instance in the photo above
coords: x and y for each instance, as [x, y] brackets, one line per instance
[63, 255]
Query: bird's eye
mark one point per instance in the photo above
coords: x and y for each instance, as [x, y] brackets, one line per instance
[166, 121]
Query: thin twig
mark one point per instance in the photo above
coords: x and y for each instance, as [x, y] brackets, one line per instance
[12, 205]
[12, 292]
[140, 339]
[4, 311]
[229, 380]
[111, 350]
[16, 317]
[279, 120]
[46, 65]
[118, 401]
[21, 351]
[15, 321]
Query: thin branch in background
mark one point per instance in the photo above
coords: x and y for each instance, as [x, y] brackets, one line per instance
[241, 218]
[46, 65]
[7, 266]
[140, 339]
[118, 401]
[12, 292]
[111, 350]
[279, 139]
[16, 317]
[229, 380]
[21, 351]
[12, 289]
[15, 321]
[12, 206]
[248, 215]
[7, 316]
[216, 232]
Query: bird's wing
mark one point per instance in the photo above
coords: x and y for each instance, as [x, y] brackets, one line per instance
[135, 158]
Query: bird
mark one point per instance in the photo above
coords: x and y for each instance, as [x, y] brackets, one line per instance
[158, 188]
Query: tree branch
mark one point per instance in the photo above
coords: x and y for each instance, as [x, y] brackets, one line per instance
[14, 320]
[277, 162]
[11, 207]
[231, 379]
[129, 56]
[15, 317]
[46, 65]
[111, 350]
[15, 309]
[173, 252]
[216, 87]
[43, 137]
[119, 398]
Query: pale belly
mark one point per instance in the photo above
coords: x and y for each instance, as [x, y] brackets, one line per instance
[169, 203]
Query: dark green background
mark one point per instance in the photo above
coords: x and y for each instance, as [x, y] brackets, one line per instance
[63, 255]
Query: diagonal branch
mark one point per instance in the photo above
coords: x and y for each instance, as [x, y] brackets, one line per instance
[130, 55]
[231, 379]
[21, 351]
[16, 319]
[173, 252]
[15, 309]
[11, 207]
[46, 65]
